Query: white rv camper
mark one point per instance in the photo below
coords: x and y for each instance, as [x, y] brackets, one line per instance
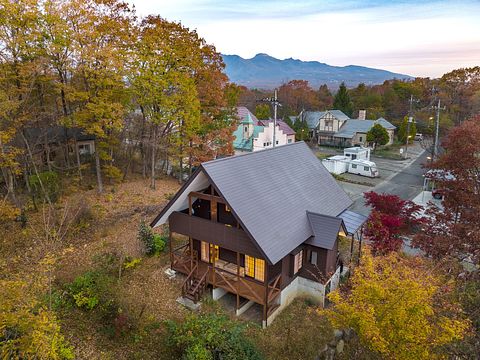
[363, 167]
[336, 164]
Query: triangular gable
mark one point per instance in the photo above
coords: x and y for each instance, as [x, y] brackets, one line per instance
[325, 230]
[197, 182]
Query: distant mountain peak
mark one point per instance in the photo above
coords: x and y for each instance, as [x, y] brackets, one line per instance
[265, 71]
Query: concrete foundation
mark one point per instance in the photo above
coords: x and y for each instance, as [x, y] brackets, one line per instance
[217, 293]
[244, 308]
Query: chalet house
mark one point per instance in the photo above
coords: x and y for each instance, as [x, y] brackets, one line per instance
[266, 243]
[253, 134]
[334, 128]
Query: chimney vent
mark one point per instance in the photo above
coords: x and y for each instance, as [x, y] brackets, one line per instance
[362, 114]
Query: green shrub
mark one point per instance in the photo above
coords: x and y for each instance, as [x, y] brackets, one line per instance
[159, 244]
[210, 337]
[146, 236]
[50, 182]
[152, 243]
[90, 289]
[131, 263]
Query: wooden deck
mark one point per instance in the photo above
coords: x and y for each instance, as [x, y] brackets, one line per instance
[230, 281]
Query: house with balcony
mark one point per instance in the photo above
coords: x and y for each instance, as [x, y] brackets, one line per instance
[253, 134]
[265, 243]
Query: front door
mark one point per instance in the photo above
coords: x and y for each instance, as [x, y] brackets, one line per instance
[209, 252]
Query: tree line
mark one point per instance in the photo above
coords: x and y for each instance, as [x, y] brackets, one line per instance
[458, 90]
[148, 91]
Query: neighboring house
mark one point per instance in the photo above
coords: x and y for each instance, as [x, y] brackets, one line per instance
[266, 243]
[354, 132]
[54, 143]
[333, 127]
[323, 124]
[253, 134]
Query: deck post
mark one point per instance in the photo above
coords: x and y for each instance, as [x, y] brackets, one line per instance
[213, 253]
[265, 306]
[171, 247]
[351, 248]
[360, 246]
[238, 279]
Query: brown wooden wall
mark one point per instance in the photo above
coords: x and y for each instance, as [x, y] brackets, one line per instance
[215, 233]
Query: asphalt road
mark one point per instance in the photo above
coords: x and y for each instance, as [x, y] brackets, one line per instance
[406, 184]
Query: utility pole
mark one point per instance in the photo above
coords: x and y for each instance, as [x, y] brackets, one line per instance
[437, 128]
[410, 120]
[274, 101]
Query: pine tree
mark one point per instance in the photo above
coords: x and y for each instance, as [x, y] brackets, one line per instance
[342, 100]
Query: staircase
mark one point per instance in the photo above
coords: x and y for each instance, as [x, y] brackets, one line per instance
[194, 286]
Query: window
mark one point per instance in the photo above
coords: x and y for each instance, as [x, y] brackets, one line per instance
[246, 128]
[313, 258]
[289, 141]
[361, 139]
[298, 262]
[366, 168]
[264, 144]
[354, 166]
[209, 252]
[84, 149]
[276, 142]
[227, 209]
[255, 268]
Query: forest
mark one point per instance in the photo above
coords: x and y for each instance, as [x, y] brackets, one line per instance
[82, 273]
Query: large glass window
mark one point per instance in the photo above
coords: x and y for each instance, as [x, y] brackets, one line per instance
[255, 268]
[209, 252]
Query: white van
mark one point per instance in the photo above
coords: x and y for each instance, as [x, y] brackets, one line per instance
[363, 167]
[418, 137]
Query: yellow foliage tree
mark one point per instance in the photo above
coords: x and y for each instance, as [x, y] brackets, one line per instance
[28, 330]
[399, 307]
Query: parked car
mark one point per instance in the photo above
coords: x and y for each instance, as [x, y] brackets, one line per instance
[363, 167]
[438, 193]
[418, 137]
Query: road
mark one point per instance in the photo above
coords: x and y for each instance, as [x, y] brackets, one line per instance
[407, 184]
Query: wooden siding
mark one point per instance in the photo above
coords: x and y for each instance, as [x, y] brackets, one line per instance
[215, 233]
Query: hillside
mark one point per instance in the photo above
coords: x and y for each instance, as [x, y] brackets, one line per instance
[264, 71]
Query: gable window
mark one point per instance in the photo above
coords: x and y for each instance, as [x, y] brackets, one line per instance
[313, 258]
[298, 262]
[361, 138]
[246, 128]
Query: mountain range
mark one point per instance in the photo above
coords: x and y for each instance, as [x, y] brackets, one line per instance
[266, 72]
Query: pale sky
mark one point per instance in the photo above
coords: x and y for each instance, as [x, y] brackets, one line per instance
[418, 38]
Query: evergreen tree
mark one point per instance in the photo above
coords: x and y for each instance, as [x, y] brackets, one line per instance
[378, 135]
[342, 100]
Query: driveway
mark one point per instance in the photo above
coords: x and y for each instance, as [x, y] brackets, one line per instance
[406, 183]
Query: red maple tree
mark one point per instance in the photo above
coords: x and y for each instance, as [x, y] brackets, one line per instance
[454, 230]
[390, 218]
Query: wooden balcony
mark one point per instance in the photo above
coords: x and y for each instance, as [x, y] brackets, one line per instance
[231, 281]
[212, 232]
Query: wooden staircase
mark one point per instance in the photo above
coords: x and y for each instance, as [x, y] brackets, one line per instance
[194, 285]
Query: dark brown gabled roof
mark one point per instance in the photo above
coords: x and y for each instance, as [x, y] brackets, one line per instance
[325, 230]
[270, 192]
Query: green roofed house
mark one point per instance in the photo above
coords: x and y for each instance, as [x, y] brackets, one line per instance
[265, 245]
[253, 134]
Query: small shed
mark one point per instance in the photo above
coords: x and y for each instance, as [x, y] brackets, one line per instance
[336, 164]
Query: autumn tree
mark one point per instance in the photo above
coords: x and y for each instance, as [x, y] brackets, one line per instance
[101, 36]
[399, 307]
[342, 100]
[262, 111]
[28, 329]
[402, 131]
[390, 218]
[295, 96]
[377, 135]
[455, 230]
[325, 97]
